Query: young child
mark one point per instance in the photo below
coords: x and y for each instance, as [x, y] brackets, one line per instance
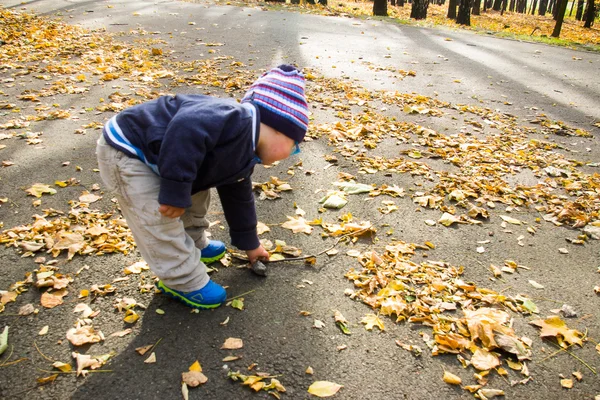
[161, 158]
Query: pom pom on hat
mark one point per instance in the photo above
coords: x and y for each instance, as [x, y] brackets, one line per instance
[279, 95]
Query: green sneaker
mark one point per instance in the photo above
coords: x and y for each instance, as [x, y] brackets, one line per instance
[210, 296]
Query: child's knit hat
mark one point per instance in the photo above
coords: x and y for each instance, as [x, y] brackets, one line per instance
[279, 95]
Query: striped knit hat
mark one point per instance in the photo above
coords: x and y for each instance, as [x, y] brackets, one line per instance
[279, 95]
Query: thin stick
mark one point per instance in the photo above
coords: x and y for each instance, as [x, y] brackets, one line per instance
[240, 295]
[555, 353]
[74, 372]
[42, 354]
[547, 299]
[153, 347]
[575, 357]
[9, 356]
[14, 362]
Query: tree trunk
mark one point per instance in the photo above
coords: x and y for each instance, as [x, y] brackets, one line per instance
[380, 8]
[476, 7]
[464, 13]
[579, 14]
[521, 6]
[400, 3]
[533, 7]
[511, 6]
[452, 9]
[543, 7]
[590, 14]
[497, 5]
[551, 6]
[392, 2]
[560, 16]
[419, 9]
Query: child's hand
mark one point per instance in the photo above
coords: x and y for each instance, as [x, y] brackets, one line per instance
[170, 211]
[258, 253]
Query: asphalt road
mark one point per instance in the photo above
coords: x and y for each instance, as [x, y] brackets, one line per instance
[519, 78]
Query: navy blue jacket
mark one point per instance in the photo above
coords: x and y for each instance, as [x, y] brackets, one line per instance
[194, 143]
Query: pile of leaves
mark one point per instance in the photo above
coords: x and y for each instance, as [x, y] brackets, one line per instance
[465, 319]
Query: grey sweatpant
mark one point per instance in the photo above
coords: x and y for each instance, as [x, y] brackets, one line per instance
[170, 246]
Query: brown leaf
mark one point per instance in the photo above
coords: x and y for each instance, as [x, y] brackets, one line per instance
[555, 327]
[232, 344]
[84, 335]
[193, 378]
[53, 299]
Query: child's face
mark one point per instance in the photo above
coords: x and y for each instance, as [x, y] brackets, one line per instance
[273, 145]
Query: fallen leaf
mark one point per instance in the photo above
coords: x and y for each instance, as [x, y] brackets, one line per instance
[87, 197]
[318, 324]
[121, 333]
[230, 358]
[261, 228]
[535, 284]
[555, 327]
[372, 320]
[62, 366]
[578, 375]
[238, 303]
[144, 349]
[151, 359]
[53, 299]
[566, 383]
[39, 189]
[309, 370]
[448, 219]
[27, 309]
[232, 344]
[84, 335]
[297, 225]
[43, 331]
[483, 360]
[193, 378]
[324, 388]
[490, 393]
[451, 378]
[511, 220]
[184, 391]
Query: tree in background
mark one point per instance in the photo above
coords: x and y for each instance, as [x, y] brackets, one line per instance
[476, 7]
[560, 16]
[543, 7]
[380, 8]
[579, 14]
[419, 9]
[590, 14]
[452, 9]
[464, 13]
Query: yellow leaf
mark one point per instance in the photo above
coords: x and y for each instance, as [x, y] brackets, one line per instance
[157, 52]
[555, 327]
[372, 320]
[448, 219]
[196, 367]
[38, 189]
[324, 388]
[131, 316]
[451, 378]
[511, 220]
[483, 360]
[62, 366]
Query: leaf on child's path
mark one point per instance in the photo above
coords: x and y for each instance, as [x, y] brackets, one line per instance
[489, 393]
[341, 322]
[232, 344]
[352, 187]
[324, 388]
[62, 366]
[230, 358]
[451, 378]
[297, 224]
[194, 376]
[535, 284]
[53, 299]
[261, 228]
[84, 309]
[334, 199]
[511, 220]
[144, 349]
[121, 333]
[555, 327]
[46, 380]
[309, 370]
[372, 320]
[483, 360]
[39, 189]
[4, 340]
[84, 335]
[26, 310]
[87, 197]
[318, 324]
[151, 359]
[238, 303]
[184, 391]
[136, 268]
[566, 383]
[131, 316]
[43, 331]
[448, 219]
